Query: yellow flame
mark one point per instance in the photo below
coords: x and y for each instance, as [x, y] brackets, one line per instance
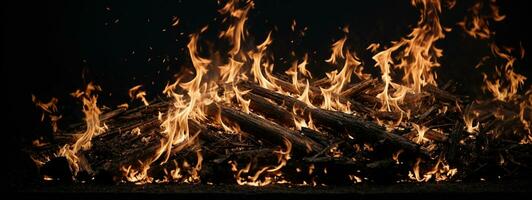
[477, 25]
[49, 109]
[421, 130]
[296, 69]
[418, 56]
[337, 51]
[136, 93]
[441, 171]
[244, 104]
[137, 176]
[469, 116]
[338, 81]
[236, 32]
[231, 71]
[304, 97]
[175, 126]
[506, 83]
[258, 65]
[265, 175]
[92, 123]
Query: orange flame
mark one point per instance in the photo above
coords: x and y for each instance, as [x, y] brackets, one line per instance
[136, 93]
[49, 109]
[93, 127]
[269, 173]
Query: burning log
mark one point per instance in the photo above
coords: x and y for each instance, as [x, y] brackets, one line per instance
[339, 121]
[270, 109]
[318, 98]
[270, 131]
[429, 134]
[358, 87]
[441, 94]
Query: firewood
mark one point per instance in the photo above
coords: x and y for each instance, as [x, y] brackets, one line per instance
[357, 88]
[270, 110]
[441, 94]
[429, 134]
[265, 129]
[339, 121]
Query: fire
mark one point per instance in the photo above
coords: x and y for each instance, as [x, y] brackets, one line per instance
[175, 126]
[304, 96]
[512, 80]
[258, 65]
[265, 175]
[417, 58]
[93, 127]
[49, 109]
[236, 32]
[136, 93]
[230, 71]
[386, 110]
[441, 171]
[296, 69]
[477, 25]
[338, 80]
[243, 103]
[138, 177]
[420, 132]
[337, 51]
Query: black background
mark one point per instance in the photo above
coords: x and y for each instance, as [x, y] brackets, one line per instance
[52, 48]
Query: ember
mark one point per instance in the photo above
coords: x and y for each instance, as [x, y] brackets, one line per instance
[232, 117]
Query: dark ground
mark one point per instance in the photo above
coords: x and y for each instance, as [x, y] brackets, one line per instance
[484, 190]
[52, 48]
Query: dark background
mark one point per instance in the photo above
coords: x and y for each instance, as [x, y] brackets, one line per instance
[52, 48]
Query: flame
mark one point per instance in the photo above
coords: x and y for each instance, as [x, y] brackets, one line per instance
[415, 57]
[525, 105]
[304, 96]
[301, 122]
[194, 174]
[477, 25]
[231, 71]
[338, 81]
[469, 116]
[441, 171]
[418, 56]
[176, 174]
[136, 93]
[175, 21]
[512, 80]
[138, 177]
[296, 69]
[396, 155]
[337, 51]
[421, 130]
[49, 109]
[373, 47]
[383, 59]
[93, 127]
[256, 68]
[175, 123]
[244, 104]
[292, 72]
[268, 173]
[175, 126]
[235, 33]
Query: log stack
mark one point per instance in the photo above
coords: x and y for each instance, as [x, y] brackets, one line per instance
[344, 148]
